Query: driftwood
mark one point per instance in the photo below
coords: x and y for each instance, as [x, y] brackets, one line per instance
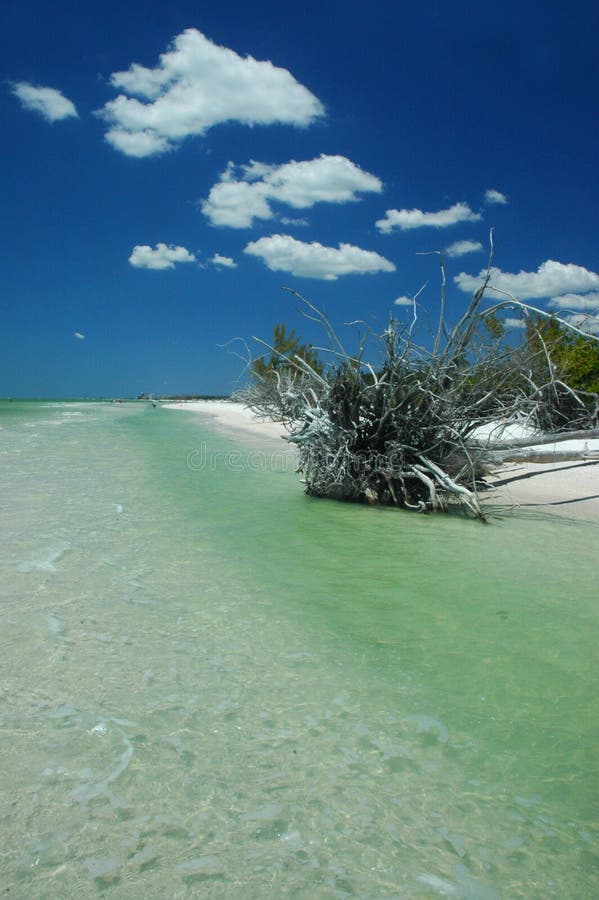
[525, 449]
[402, 430]
[532, 440]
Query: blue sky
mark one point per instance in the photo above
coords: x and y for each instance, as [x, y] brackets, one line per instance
[168, 167]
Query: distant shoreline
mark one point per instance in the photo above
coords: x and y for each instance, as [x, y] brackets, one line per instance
[232, 416]
[570, 489]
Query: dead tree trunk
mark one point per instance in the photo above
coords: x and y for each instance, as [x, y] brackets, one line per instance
[402, 430]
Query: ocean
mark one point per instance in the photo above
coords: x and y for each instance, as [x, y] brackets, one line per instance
[212, 685]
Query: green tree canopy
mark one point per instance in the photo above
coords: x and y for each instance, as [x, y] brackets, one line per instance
[286, 348]
[576, 358]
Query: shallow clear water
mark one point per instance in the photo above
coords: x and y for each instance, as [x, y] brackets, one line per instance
[214, 686]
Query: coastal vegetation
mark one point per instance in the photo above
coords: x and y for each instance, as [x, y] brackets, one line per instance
[285, 351]
[396, 422]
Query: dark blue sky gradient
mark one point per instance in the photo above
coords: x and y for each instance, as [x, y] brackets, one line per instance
[440, 100]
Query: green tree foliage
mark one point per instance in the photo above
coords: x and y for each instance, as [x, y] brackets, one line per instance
[576, 358]
[574, 362]
[286, 348]
[494, 327]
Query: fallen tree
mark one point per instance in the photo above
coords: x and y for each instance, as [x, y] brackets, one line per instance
[404, 429]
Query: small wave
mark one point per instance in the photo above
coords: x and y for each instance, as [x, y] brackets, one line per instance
[428, 726]
[86, 792]
[55, 627]
[47, 562]
[464, 885]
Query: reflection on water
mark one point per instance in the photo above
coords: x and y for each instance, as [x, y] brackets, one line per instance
[211, 685]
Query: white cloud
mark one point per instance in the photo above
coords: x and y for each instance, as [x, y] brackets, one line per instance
[223, 261]
[406, 219]
[283, 253]
[236, 201]
[582, 302]
[139, 143]
[404, 301]
[493, 196]
[46, 101]
[514, 323]
[197, 85]
[461, 248]
[79, 336]
[163, 257]
[298, 222]
[590, 324]
[551, 279]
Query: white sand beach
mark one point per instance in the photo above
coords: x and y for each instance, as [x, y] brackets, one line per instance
[231, 416]
[567, 488]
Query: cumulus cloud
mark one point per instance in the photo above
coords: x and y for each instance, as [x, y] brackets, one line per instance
[552, 279]
[196, 85]
[244, 193]
[461, 248]
[46, 101]
[224, 262]
[404, 301]
[138, 143]
[163, 257]
[590, 324]
[582, 302]
[492, 196]
[407, 219]
[283, 253]
[514, 323]
[79, 336]
[586, 306]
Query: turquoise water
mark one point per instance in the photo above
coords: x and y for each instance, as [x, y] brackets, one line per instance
[214, 686]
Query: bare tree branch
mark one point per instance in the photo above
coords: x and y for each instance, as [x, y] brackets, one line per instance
[403, 430]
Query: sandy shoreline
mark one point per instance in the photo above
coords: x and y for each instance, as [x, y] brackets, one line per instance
[563, 488]
[231, 417]
[566, 488]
